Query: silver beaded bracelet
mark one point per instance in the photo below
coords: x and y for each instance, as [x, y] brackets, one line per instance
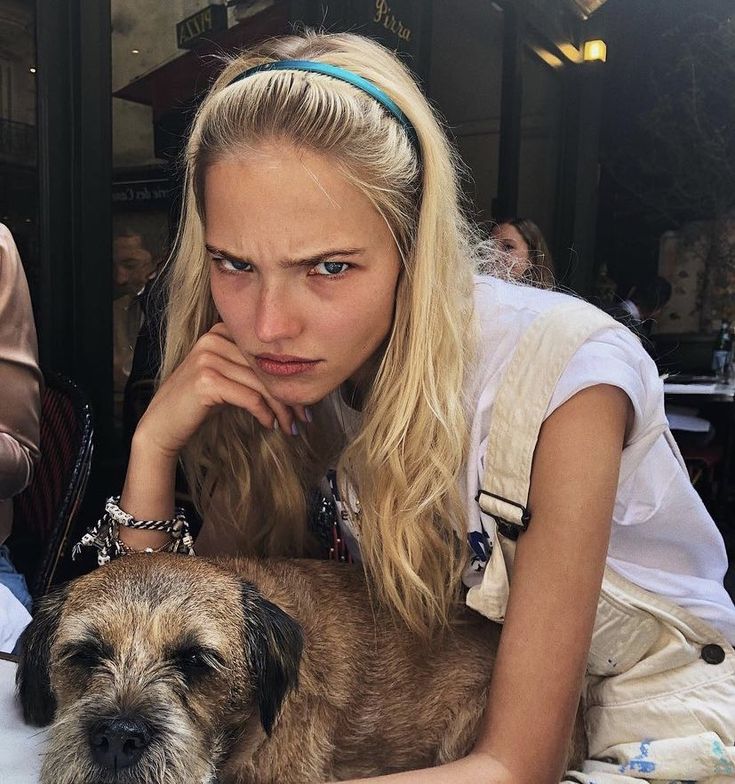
[104, 535]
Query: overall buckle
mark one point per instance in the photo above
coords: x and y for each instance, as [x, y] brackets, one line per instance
[508, 528]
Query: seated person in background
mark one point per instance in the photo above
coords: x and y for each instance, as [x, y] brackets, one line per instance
[146, 360]
[528, 252]
[643, 305]
[133, 266]
[20, 409]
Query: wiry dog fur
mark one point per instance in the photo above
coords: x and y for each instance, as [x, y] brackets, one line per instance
[245, 671]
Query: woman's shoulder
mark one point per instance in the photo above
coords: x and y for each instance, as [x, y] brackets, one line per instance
[505, 310]
[507, 306]
[9, 260]
[6, 238]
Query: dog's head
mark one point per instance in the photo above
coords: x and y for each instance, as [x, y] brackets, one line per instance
[151, 667]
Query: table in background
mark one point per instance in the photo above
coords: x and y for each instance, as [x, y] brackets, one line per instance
[21, 747]
[705, 393]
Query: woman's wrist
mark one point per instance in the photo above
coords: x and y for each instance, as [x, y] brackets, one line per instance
[143, 540]
[148, 491]
[153, 536]
[147, 444]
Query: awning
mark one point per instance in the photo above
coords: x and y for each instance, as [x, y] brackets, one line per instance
[586, 7]
[177, 82]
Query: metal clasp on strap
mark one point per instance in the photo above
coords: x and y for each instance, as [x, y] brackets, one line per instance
[508, 528]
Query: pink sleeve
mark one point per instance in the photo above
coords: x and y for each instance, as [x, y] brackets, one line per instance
[20, 376]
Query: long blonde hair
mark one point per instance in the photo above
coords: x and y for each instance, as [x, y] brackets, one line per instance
[406, 464]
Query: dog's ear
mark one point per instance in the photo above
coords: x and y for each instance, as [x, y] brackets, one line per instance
[32, 677]
[274, 642]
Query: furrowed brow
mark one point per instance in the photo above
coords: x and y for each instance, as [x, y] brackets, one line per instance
[307, 261]
[226, 254]
[310, 261]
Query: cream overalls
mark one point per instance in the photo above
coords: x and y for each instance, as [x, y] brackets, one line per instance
[659, 694]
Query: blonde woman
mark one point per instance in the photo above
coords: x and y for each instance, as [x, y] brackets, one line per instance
[324, 314]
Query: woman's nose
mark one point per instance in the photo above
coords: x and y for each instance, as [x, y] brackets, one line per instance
[277, 316]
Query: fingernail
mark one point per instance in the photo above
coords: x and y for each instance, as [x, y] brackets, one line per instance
[276, 426]
[307, 413]
[294, 429]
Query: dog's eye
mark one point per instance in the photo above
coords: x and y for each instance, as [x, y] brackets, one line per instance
[86, 655]
[196, 661]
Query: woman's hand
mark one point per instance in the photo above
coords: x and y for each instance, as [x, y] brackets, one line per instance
[213, 375]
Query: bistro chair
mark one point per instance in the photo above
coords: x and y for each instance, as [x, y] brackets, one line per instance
[45, 510]
[702, 463]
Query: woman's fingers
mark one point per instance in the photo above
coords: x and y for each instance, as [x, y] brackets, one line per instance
[302, 413]
[220, 389]
[219, 342]
[232, 366]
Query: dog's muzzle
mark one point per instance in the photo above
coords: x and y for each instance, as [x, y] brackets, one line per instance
[118, 743]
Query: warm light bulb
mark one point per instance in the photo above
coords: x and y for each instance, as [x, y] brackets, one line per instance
[595, 51]
[135, 51]
[32, 69]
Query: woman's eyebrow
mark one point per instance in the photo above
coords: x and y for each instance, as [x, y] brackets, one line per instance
[303, 262]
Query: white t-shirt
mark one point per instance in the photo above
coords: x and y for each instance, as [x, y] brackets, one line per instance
[662, 537]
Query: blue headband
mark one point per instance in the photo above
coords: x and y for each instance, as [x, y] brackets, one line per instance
[344, 76]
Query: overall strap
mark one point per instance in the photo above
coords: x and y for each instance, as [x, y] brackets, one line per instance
[530, 379]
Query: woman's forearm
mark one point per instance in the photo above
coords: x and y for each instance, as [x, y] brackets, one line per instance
[148, 492]
[475, 768]
[16, 467]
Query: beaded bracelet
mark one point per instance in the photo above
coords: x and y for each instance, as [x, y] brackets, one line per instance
[104, 535]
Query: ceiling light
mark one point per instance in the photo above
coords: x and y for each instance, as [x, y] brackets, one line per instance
[595, 51]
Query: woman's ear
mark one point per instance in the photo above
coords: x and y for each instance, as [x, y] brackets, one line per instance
[273, 646]
[32, 678]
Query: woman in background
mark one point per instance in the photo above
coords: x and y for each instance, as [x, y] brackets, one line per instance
[528, 252]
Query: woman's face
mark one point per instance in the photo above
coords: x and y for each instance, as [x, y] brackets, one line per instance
[512, 243]
[304, 269]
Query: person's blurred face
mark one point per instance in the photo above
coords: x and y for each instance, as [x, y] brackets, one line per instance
[514, 245]
[303, 269]
[132, 265]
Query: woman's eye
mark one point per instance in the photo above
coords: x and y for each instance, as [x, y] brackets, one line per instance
[230, 265]
[330, 269]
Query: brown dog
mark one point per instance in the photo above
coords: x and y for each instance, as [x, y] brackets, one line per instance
[171, 670]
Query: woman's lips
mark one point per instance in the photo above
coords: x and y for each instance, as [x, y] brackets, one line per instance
[285, 366]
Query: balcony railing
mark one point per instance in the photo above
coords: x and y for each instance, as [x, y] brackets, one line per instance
[17, 142]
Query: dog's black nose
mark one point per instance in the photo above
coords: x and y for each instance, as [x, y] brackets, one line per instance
[118, 743]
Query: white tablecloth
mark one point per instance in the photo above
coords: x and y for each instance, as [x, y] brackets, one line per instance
[21, 746]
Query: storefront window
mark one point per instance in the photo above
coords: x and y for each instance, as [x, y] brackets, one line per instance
[164, 56]
[142, 39]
